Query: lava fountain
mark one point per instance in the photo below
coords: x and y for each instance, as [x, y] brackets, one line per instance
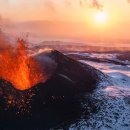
[22, 70]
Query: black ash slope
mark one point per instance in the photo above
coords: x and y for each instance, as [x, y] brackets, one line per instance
[55, 99]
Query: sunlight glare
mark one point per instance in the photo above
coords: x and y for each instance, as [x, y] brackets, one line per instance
[101, 17]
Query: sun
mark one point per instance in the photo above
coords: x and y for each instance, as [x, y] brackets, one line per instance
[101, 17]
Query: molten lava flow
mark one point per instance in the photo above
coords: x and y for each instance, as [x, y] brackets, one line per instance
[20, 69]
[22, 73]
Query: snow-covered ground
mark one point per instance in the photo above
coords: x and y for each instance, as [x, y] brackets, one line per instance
[112, 102]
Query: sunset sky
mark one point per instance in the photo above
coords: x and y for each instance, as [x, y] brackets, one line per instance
[117, 14]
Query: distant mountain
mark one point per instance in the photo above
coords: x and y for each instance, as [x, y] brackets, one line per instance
[79, 47]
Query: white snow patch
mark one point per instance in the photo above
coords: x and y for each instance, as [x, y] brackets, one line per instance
[112, 102]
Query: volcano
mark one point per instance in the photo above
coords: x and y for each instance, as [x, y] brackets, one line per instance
[68, 81]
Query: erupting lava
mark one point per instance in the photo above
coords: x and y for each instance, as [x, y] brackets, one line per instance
[20, 69]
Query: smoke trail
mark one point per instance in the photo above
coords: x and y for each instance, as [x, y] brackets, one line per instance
[4, 43]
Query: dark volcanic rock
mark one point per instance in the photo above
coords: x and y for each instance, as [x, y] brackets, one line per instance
[98, 60]
[125, 56]
[82, 76]
[50, 103]
[70, 78]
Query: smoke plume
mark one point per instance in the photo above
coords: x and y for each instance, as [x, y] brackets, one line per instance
[21, 69]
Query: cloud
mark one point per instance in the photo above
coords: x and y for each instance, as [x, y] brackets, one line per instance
[2, 20]
[97, 5]
[128, 1]
[67, 3]
[81, 2]
[86, 3]
[50, 5]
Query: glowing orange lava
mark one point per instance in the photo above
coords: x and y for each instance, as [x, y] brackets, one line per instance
[20, 69]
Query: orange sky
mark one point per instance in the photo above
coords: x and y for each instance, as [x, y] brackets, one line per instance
[117, 25]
